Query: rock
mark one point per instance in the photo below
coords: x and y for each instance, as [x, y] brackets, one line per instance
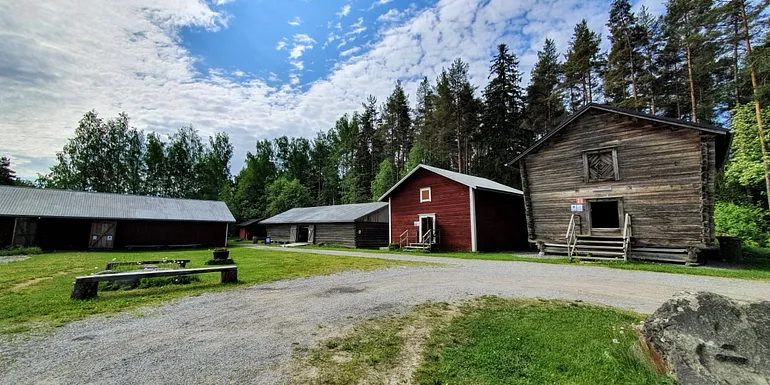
[706, 338]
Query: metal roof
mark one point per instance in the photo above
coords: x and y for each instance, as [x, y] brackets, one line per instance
[249, 222]
[325, 214]
[722, 145]
[468, 180]
[33, 202]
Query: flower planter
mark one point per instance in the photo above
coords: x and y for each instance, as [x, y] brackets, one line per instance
[221, 254]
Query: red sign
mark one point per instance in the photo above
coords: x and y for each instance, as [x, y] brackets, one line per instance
[579, 201]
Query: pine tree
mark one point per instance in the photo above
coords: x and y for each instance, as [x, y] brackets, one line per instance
[624, 60]
[688, 28]
[384, 180]
[502, 135]
[649, 43]
[583, 66]
[7, 176]
[156, 182]
[544, 105]
[369, 147]
[397, 124]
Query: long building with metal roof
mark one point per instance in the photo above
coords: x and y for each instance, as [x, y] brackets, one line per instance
[64, 219]
[355, 225]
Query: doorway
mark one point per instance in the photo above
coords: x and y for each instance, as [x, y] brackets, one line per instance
[427, 224]
[302, 233]
[604, 215]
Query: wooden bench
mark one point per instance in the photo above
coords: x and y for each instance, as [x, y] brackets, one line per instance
[179, 262]
[86, 287]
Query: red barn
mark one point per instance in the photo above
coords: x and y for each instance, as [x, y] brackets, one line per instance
[432, 207]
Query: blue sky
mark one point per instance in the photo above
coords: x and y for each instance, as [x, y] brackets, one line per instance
[254, 69]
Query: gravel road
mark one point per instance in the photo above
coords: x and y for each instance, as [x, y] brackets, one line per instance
[248, 335]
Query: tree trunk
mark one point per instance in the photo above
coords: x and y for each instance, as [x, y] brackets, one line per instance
[692, 85]
[757, 105]
[633, 71]
[585, 91]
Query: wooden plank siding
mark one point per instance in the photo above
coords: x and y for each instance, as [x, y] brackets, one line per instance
[140, 232]
[500, 222]
[340, 234]
[662, 170]
[371, 235]
[450, 201]
[6, 230]
[278, 233]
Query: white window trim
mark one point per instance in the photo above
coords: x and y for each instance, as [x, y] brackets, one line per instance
[430, 194]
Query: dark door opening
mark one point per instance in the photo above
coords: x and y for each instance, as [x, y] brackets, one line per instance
[427, 225]
[605, 215]
[302, 233]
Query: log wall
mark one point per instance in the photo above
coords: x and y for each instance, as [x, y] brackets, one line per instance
[341, 234]
[661, 174]
[370, 235]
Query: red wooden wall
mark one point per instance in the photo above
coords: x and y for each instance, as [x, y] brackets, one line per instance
[450, 201]
[501, 224]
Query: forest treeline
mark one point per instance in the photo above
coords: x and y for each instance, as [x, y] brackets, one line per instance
[706, 61]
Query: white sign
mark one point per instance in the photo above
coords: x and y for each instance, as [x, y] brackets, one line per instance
[417, 223]
[94, 237]
[109, 237]
[576, 208]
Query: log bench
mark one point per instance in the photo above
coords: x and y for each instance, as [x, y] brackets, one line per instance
[85, 287]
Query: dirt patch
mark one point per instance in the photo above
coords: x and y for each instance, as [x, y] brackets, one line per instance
[35, 281]
[383, 350]
[13, 258]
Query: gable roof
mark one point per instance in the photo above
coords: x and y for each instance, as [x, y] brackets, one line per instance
[51, 203]
[724, 136]
[471, 181]
[325, 214]
[249, 222]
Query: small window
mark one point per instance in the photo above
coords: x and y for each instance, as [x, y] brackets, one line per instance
[425, 194]
[600, 165]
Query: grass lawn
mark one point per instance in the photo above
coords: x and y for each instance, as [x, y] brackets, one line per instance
[36, 291]
[488, 341]
[757, 268]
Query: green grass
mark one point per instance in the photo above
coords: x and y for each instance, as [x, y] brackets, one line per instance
[488, 341]
[36, 291]
[755, 267]
[524, 342]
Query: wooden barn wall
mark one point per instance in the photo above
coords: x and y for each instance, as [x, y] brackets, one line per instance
[380, 216]
[63, 233]
[342, 234]
[6, 231]
[207, 234]
[500, 222]
[450, 201]
[370, 235]
[278, 233]
[660, 179]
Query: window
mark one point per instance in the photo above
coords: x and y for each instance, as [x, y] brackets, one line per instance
[425, 194]
[600, 165]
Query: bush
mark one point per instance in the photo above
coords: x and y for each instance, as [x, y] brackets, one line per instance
[227, 261]
[394, 247]
[20, 251]
[744, 221]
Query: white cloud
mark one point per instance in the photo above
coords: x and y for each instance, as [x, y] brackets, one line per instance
[355, 31]
[296, 22]
[350, 51]
[344, 11]
[390, 16]
[358, 23]
[303, 38]
[281, 45]
[129, 57]
[297, 50]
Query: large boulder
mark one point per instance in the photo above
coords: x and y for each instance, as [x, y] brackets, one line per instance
[706, 338]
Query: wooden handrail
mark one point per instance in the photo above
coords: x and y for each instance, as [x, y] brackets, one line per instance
[626, 235]
[428, 237]
[571, 237]
[403, 237]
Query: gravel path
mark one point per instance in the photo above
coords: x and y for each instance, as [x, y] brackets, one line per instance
[248, 335]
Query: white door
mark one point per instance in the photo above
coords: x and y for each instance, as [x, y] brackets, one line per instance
[427, 223]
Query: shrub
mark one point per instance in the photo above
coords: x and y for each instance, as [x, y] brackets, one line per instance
[394, 247]
[744, 221]
[227, 261]
[20, 251]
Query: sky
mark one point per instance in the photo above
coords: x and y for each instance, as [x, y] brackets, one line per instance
[255, 69]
